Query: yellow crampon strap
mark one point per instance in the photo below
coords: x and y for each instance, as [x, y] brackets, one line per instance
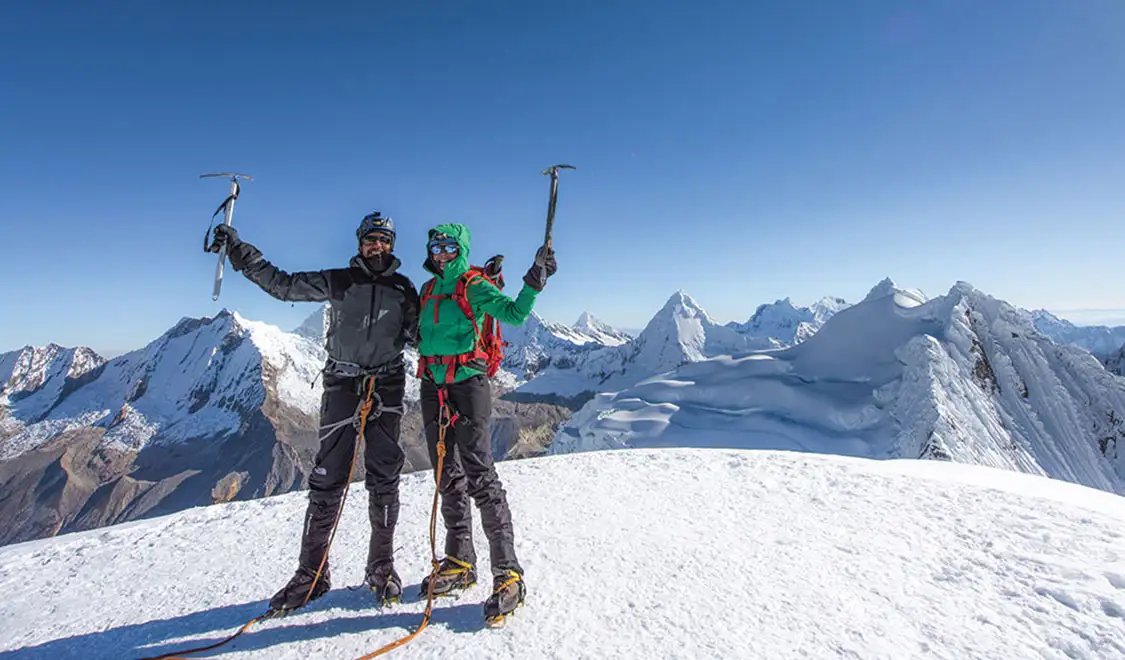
[516, 577]
[462, 567]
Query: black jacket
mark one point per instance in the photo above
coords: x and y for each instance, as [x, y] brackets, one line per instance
[373, 316]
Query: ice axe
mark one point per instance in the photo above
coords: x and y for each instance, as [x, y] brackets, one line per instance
[553, 172]
[228, 206]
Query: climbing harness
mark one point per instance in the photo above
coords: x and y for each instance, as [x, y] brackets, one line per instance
[447, 417]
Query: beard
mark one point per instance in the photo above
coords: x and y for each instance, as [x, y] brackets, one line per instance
[378, 262]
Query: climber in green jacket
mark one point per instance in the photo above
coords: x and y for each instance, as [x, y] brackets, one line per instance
[449, 340]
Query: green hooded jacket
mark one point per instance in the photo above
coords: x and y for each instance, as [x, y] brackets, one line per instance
[453, 333]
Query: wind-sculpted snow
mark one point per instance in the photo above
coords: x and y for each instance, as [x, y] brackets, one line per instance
[962, 377]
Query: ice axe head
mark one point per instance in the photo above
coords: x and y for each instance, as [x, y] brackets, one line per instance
[553, 172]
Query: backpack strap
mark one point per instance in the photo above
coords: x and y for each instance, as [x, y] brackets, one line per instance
[487, 344]
[427, 294]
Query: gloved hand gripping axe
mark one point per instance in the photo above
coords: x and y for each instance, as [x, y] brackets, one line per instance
[228, 206]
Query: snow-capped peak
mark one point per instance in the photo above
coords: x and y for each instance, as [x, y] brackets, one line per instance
[786, 324]
[884, 288]
[680, 332]
[210, 375]
[681, 305]
[539, 343]
[902, 297]
[600, 330]
[827, 307]
[1103, 341]
[38, 375]
[315, 327]
[1049, 324]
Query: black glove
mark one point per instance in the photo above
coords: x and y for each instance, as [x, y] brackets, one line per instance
[225, 236]
[492, 269]
[544, 267]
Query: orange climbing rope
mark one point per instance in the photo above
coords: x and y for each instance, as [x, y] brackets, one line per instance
[446, 419]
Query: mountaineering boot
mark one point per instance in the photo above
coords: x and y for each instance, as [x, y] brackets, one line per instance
[453, 575]
[385, 582]
[508, 591]
[380, 575]
[293, 595]
[319, 516]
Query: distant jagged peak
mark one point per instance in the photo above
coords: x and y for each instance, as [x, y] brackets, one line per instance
[683, 305]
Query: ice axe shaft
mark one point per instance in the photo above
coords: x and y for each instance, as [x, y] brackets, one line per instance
[229, 206]
[552, 172]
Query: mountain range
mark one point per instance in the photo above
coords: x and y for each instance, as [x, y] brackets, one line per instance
[215, 409]
[679, 333]
[224, 408]
[1103, 342]
[961, 377]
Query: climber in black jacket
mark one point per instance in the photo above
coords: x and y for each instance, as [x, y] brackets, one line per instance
[373, 315]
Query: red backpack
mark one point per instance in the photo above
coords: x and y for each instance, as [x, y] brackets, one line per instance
[489, 345]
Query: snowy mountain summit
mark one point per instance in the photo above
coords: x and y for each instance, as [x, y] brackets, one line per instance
[601, 331]
[1102, 341]
[839, 557]
[680, 332]
[213, 409]
[785, 324]
[961, 377]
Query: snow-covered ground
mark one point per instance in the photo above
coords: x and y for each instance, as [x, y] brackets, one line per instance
[672, 553]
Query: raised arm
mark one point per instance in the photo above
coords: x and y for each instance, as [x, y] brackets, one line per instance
[485, 296]
[312, 286]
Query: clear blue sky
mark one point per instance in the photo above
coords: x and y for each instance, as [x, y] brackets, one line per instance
[741, 151]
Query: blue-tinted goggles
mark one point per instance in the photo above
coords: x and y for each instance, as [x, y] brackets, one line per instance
[448, 248]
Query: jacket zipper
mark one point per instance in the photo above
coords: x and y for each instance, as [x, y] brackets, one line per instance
[371, 311]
